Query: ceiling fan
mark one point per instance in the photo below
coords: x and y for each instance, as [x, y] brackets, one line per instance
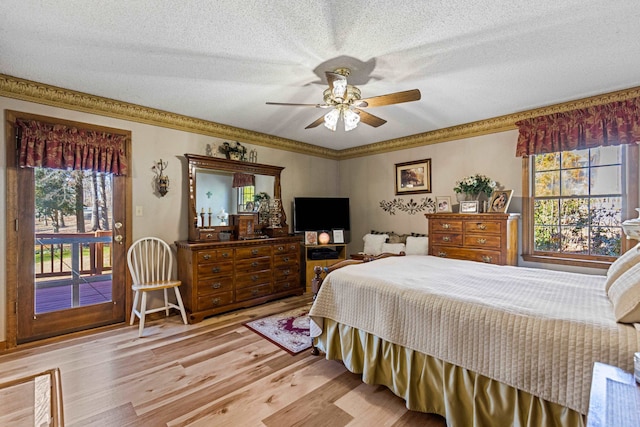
[345, 102]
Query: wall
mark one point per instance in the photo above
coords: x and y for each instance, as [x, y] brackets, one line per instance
[369, 180]
[166, 217]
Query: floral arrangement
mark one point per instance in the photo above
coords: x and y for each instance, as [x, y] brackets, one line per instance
[237, 150]
[261, 196]
[475, 184]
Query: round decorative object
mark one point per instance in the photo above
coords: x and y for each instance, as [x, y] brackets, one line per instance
[324, 238]
[631, 227]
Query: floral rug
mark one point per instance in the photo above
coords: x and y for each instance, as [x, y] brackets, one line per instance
[288, 330]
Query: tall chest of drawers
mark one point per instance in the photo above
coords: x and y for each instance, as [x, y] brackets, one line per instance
[223, 276]
[485, 237]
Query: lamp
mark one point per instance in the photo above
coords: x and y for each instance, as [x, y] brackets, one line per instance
[631, 227]
[349, 117]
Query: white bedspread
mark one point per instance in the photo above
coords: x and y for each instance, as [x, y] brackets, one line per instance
[534, 329]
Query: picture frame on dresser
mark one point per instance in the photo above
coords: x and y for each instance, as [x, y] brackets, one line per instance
[469, 207]
[443, 204]
[500, 200]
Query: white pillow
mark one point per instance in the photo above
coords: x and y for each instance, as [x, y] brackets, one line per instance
[393, 248]
[417, 246]
[622, 264]
[624, 294]
[373, 243]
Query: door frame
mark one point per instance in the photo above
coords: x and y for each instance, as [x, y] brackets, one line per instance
[13, 213]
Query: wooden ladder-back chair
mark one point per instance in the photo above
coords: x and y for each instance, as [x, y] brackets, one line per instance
[150, 262]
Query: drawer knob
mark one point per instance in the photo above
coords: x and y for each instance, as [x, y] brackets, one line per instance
[225, 254]
[254, 264]
[286, 259]
[215, 269]
[446, 239]
[209, 235]
[292, 247]
[280, 248]
[286, 285]
[442, 254]
[286, 272]
[206, 257]
[254, 292]
[482, 241]
[481, 226]
[486, 258]
[446, 226]
[254, 252]
[254, 277]
[215, 301]
[216, 285]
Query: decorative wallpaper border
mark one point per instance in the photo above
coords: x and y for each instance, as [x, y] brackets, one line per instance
[26, 90]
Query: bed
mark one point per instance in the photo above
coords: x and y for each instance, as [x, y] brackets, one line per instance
[479, 344]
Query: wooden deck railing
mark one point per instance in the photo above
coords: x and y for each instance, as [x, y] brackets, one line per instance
[60, 263]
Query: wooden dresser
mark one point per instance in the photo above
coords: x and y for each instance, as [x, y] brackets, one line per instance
[222, 276]
[485, 237]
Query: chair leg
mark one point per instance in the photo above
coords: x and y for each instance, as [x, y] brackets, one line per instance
[133, 308]
[182, 311]
[143, 312]
[166, 302]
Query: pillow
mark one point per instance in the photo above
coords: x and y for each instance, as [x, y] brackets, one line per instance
[397, 238]
[624, 294]
[418, 235]
[417, 245]
[373, 243]
[394, 248]
[381, 232]
[622, 264]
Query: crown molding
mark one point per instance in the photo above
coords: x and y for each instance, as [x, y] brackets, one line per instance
[26, 90]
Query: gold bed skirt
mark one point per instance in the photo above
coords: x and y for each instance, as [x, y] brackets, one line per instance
[430, 385]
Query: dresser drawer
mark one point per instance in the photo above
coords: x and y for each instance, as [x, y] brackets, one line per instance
[215, 300]
[286, 285]
[286, 273]
[492, 227]
[286, 248]
[253, 292]
[490, 241]
[215, 268]
[253, 264]
[214, 285]
[213, 255]
[286, 259]
[448, 239]
[253, 252]
[446, 225]
[491, 257]
[259, 277]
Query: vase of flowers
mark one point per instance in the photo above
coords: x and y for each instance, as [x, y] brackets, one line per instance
[475, 187]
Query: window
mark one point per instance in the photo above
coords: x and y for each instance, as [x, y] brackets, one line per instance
[245, 198]
[578, 202]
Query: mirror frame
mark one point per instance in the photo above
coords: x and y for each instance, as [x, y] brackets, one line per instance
[196, 161]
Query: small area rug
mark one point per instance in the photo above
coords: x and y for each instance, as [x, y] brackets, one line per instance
[288, 330]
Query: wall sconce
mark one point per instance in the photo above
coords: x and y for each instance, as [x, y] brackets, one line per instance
[162, 181]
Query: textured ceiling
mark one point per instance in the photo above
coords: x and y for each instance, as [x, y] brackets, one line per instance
[222, 60]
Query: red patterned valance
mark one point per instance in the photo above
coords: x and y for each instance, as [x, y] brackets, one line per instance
[243, 180]
[59, 146]
[610, 124]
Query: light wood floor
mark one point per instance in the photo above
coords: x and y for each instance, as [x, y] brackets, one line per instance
[214, 373]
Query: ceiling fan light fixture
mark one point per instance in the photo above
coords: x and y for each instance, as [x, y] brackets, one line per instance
[339, 88]
[331, 119]
[351, 120]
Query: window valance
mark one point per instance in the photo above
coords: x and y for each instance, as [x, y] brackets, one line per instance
[243, 180]
[610, 124]
[59, 146]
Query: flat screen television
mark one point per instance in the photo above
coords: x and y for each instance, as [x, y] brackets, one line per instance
[321, 214]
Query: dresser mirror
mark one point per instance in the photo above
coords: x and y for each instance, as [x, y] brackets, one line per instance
[222, 195]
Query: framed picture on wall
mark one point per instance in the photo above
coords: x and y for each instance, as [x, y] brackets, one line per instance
[310, 237]
[413, 177]
[500, 200]
[443, 204]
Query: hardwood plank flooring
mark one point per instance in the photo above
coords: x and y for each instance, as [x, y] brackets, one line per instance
[213, 373]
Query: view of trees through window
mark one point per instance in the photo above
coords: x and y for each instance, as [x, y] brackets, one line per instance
[245, 197]
[577, 200]
[72, 201]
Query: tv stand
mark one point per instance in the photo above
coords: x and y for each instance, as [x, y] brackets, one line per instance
[321, 256]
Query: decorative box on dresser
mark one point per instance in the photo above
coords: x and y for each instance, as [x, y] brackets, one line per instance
[222, 276]
[484, 237]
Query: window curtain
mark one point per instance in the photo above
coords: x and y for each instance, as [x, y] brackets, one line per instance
[610, 124]
[59, 146]
[243, 180]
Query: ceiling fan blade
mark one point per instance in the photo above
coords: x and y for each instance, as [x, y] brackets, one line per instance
[337, 84]
[300, 105]
[390, 98]
[316, 123]
[370, 119]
